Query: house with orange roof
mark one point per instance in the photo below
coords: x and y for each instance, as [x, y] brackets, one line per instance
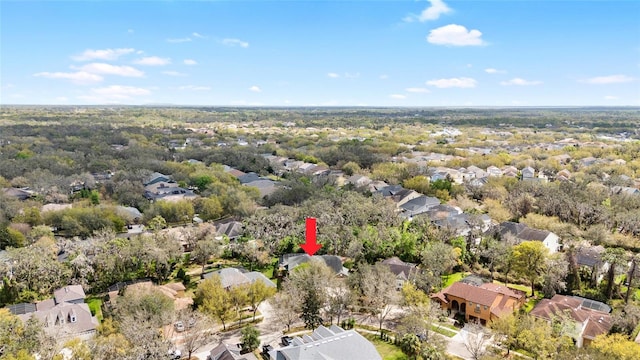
[480, 303]
[589, 318]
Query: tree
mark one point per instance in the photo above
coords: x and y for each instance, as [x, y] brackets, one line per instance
[555, 274]
[286, 305]
[410, 345]
[312, 304]
[375, 288]
[617, 259]
[339, 298]
[529, 261]
[439, 258]
[250, 338]
[257, 293]
[616, 346]
[197, 331]
[239, 295]
[476, 340]
[506, 329]
[204, 250]
[157, 223]
[214, 300]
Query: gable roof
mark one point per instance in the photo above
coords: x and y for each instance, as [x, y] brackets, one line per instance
[69, 293]
[291, 261]
[331, 343]
[229, 352]
[419, 203]
[400, 268]
[230, 277]
[597, 322]
[522, 231]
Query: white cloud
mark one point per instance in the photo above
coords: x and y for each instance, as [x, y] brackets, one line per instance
[455, 35]
[153, 61]
[433, 12]
[352, 76]
[195, 88]
[462, 82]
[235, 42]
[197, 35]
[333, 75]
[179, 40]
[611, 97]
[108, 69]
[120, 91]
[383, 77]
[80, 77]
[417, 90]
[190, 62]
[494, 71]
[611, 79]
[255, 88]
[398, 96]
[174, 73]
[106, 54]
[520, 82]
[114, 94]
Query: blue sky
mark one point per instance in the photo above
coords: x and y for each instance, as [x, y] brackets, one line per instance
[321, 53]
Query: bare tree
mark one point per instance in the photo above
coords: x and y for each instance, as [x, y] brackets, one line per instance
[197, 330]
[286, 305]
[376, 289]
[475, 340]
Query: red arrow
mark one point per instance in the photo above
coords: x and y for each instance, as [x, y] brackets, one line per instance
[311, 246]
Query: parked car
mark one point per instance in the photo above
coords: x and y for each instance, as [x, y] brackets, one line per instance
[175, 354]
[179, 326]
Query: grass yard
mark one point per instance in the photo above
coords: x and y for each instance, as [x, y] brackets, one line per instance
[447, 280]
[95, 305]
[442, 331]
[387, 351]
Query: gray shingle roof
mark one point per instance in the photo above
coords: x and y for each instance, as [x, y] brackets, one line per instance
[329, 344]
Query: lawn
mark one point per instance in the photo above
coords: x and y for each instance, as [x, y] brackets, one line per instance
[387, 351]
[441, 331]
[95, 305]
[447, 280]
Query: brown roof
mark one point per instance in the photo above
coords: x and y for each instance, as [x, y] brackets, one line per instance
[471, 293]
[597, 322]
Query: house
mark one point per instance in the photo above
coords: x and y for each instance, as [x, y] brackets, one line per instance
[173, 193]
[266, 187]
[328, 343]
[563, 159]
[157, 177]
[403, 196]
[73, 294]
[528, 173]
[359, 180]
[588, 161]
[389, 190]
[63, 317]
[229, 352]
[19, 193]
[231, 277]
[524, 233]
[288, 262]
[625, 190]
[249, 177]
[494, 171]
[589, 258]
[482, 303]
[229, 228]
[590, 318]
[404, 272]
[563, 175]
[418, 205]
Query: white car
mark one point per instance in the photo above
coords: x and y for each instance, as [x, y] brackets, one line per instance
[179, 326]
